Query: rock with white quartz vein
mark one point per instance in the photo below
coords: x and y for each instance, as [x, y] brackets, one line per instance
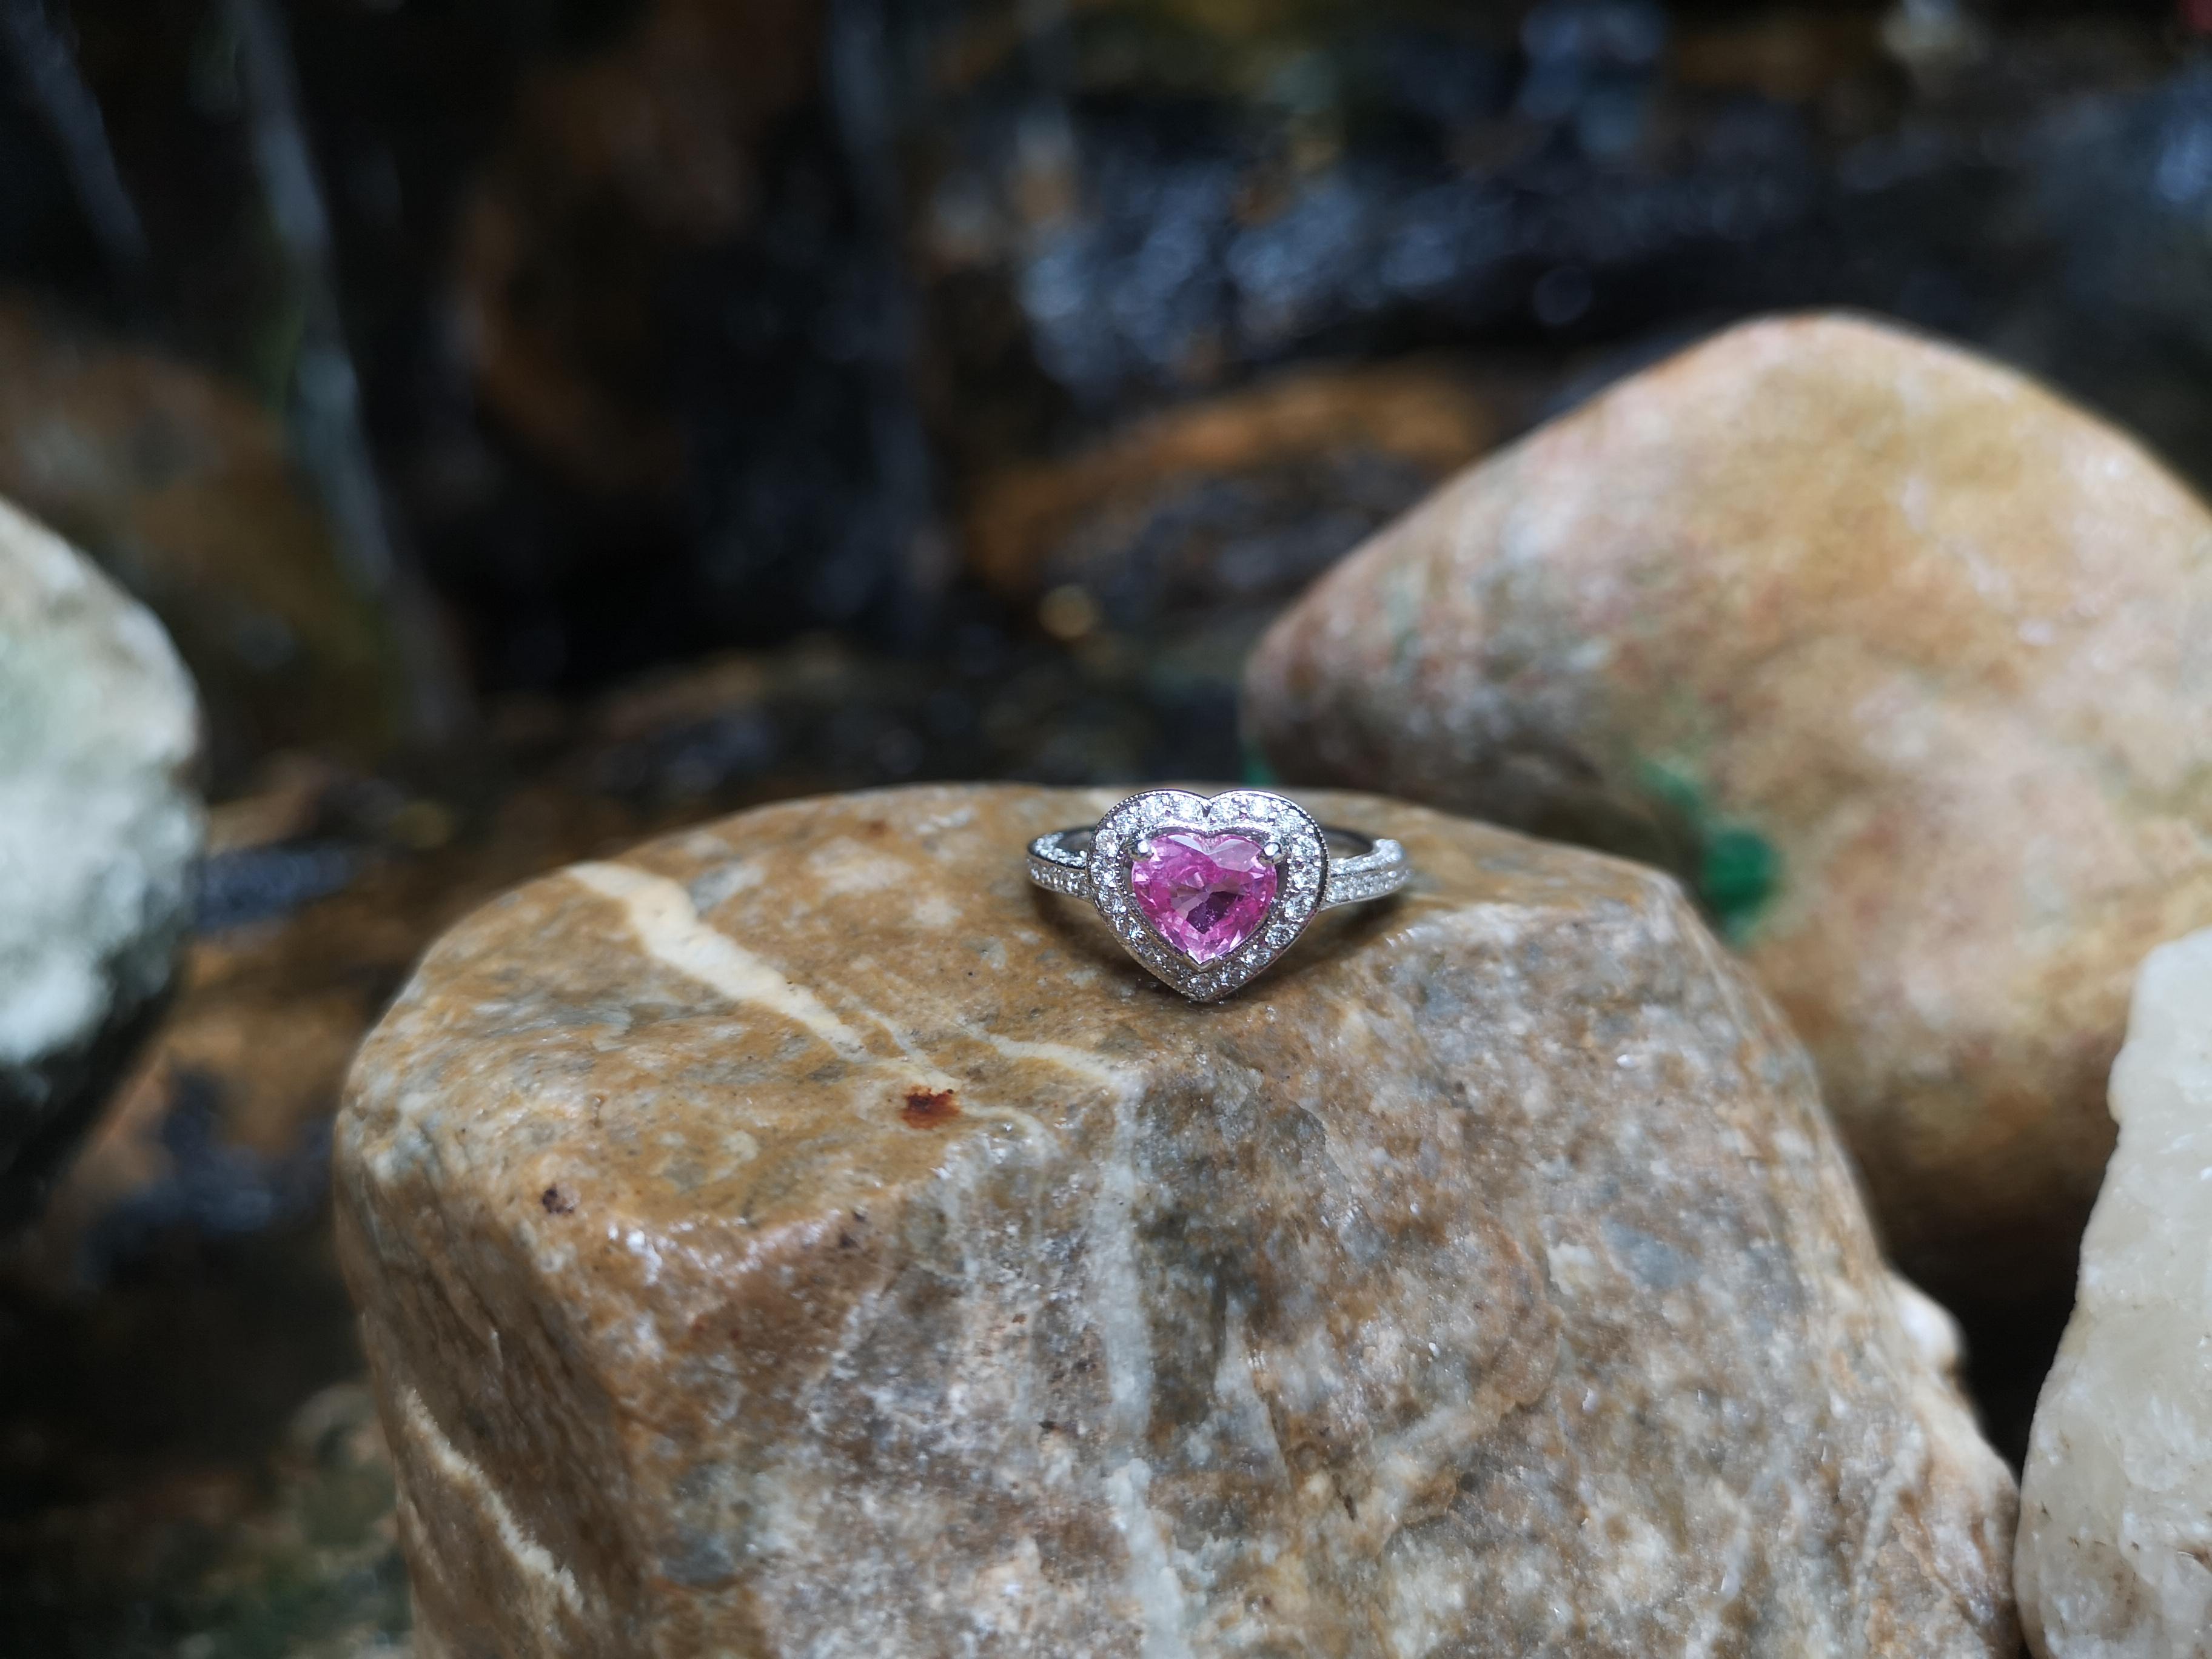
[99, 825]
[803, 1237]
[2115, 1539]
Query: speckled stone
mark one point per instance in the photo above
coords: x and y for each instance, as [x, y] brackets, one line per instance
[1905, 660]
[802, 1237]
[2115, 1534]
[101, 820]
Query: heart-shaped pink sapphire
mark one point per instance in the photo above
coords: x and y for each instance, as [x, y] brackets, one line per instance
[1205, 894]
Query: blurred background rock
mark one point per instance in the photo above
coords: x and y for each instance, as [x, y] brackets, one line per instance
[544, 423]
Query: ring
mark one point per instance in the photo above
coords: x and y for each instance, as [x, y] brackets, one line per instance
[1206, 892]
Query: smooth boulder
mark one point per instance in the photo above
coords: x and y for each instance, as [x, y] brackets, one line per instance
[99, 822]
[1903, 660]
[802, 1237]
[2115, 1536]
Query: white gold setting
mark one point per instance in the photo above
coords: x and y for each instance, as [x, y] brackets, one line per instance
[1310, 875]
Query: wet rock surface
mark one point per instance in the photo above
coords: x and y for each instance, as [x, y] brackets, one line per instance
[1896, 656]
[801, 1235]
[1188, 511]
[654, 218]
[99, 824]
[2114, 1532]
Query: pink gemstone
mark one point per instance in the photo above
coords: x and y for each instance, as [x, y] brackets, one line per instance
[1205, 894]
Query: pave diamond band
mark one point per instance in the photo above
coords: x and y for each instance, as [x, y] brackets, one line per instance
[1206, 891]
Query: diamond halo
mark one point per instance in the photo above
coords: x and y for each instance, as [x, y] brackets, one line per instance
[1299, 852]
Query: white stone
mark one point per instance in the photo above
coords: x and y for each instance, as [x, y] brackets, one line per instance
[99, 827]
[2115, 1555]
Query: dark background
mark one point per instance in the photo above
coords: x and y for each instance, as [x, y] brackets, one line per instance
[544, 421]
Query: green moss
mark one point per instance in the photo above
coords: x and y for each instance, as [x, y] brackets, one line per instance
[1258, 774]
[1736, 870]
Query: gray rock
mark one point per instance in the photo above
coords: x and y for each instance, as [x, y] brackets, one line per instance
[99, 823]
[802, 1237]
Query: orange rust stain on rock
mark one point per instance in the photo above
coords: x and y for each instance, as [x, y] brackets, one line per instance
[928, 1108]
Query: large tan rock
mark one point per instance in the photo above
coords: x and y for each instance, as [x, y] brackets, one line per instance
[802, 1237]
[2115, 1535]
[1907, 660]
